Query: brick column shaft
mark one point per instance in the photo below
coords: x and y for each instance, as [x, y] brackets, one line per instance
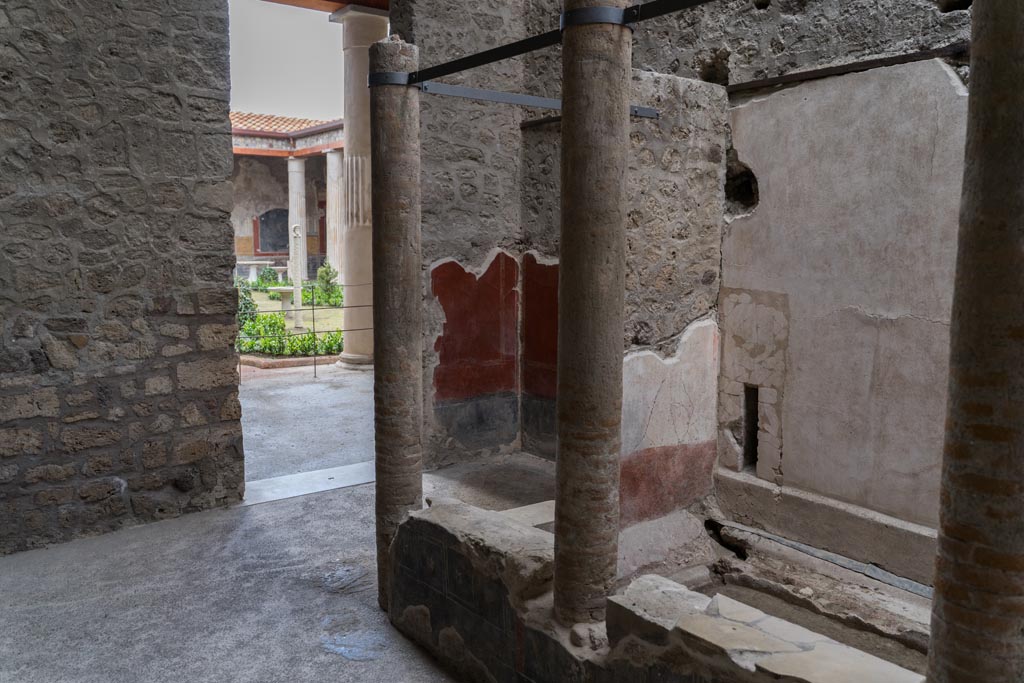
[978, 612]
[398, 303]
[596, 74]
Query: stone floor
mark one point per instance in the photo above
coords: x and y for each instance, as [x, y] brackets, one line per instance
[280, 591]
[287, 415]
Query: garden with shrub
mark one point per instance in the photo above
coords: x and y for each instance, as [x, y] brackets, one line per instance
[264, 328]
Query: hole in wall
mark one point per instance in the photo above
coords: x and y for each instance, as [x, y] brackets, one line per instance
[762, 4]
[714, 68]
[741, 188]
[954, 5]
[750, 427]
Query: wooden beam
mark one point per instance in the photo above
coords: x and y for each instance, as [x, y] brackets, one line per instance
[301, 152]
[331, 5]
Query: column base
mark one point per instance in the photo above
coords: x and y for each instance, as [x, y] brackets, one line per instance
[355, 361]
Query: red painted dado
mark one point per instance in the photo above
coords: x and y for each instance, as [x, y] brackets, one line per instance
[659, 481]
[540, 327]
[478, 347]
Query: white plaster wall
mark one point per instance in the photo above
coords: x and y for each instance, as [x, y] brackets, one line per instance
[261, 184]
[855, 237]
[671, 401]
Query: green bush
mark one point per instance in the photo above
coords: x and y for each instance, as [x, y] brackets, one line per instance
[268, 333]
[328, 292]
[246, 306]
[267, 278]
[263, 334]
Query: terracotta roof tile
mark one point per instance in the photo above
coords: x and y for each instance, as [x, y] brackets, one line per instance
[268, 123]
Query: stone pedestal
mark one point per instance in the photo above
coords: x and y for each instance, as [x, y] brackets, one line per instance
[361, 27]
[297, 266]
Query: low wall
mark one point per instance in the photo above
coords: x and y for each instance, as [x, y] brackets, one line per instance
[474, 588]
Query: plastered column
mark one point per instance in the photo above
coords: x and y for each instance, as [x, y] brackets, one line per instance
[297, 265]
[361, 27]
[398, 307]
[297, 217]
[591, 291]
[335, 161]
[978, 611]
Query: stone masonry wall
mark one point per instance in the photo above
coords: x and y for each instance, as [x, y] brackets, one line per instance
[118, 387]
[735, 41]
[470, 176]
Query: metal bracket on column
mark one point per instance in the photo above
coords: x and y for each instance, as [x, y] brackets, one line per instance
[601, 15]
[388, 78]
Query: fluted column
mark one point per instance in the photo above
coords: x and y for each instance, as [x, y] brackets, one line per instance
[361, 27]
[335, 209]
[297, 226]
[978, 611]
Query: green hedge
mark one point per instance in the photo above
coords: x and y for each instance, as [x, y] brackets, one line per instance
[268, 333]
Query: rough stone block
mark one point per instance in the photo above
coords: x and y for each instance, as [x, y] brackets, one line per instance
[159, 386]
[649, 609]
[82, 438]
[206, 374]
[216, 337]
[49, 473]
[20, 441]
[41, 403]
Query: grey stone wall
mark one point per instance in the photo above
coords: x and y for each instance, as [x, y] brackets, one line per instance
[118, 388]
[737, 41]
[470, 167]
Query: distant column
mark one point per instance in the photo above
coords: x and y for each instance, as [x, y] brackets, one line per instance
[591, 294]
[978, 610]
[361, 27]
[297, 265]
[398, 307]
[335, 209]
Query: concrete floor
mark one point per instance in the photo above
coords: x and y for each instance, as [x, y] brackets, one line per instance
[294, 423]
[280, 591]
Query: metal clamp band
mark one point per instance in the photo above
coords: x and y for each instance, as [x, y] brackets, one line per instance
[601, 15]
[388, 78]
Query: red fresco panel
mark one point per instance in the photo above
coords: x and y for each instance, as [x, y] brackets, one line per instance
[540, 327]
[478, 346]
[658, 481]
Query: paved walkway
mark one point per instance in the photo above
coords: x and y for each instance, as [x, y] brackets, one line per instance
[284, 591]
[294, 423]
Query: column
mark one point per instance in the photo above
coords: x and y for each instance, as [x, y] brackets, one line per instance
[398, 307]
[335, 159]
[978, 610]
[591, 292]
[297, 232]
[361, 27]
[297, 217]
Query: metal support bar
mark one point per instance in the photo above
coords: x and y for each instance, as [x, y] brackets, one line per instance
[388, 78]
[598, 15]
[584, 15]
[496, 54]
[435, 88]
[659, 8]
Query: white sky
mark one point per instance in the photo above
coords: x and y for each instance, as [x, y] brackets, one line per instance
[285, 60]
